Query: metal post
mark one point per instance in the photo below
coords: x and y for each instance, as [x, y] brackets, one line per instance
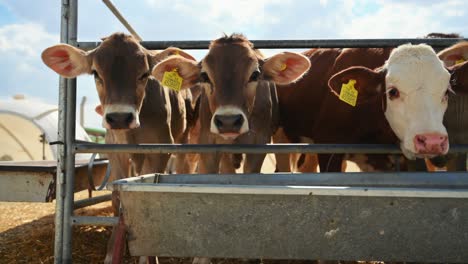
[82, 108]
[70, 116]
[58, 243]
[122, 20]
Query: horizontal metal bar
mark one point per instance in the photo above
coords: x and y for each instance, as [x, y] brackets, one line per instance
[245, 148]
[92, 201]
[293, 44]
[95, 220]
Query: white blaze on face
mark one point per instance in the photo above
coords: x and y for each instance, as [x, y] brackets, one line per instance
[418, 105]
[121, 109]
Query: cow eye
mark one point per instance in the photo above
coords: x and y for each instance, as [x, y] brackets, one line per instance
[254, 76]
[96, 75]
[144, 76]
[204, 78]
[393, 93]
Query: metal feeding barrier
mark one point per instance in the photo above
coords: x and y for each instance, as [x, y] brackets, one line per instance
[353, 216]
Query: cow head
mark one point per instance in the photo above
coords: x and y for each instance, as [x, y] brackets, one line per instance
[414, 86]
[230, 74]
[121, 68]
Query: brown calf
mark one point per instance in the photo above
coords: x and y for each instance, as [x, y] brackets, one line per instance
[238, 101]
[456, 118]
[135, 107]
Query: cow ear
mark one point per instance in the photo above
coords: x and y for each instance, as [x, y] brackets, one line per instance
[158, 56]
[67, 60]
[459, 77]
[368, 83]
[187, 69]
[176, 51]
[455, 54]
[286, 67]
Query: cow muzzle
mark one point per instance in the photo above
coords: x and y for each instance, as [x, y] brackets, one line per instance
[431, 144]
[229, 123]
[120, 117]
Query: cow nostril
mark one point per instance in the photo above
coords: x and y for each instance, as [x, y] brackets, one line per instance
[238, 121]
[218, 121]
[129, 118]
[421, 139]
[109, 119]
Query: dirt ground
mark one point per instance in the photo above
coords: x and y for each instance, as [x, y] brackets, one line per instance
[27, 233]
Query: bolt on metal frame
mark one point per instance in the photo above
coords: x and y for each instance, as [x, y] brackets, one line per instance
[68, 147]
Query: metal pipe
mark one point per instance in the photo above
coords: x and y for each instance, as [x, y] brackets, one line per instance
[92, 201]
[95, 220]
[245, 148]
[82, 112]
[295, 44]
[70, 117]
[59, 196]
[122, 20]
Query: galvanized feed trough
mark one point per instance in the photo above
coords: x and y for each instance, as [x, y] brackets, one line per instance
[392, 217]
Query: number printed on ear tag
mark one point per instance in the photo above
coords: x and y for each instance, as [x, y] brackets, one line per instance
[172, 80]
[348, 93]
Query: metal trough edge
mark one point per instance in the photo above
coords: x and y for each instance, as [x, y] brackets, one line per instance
[293, 190]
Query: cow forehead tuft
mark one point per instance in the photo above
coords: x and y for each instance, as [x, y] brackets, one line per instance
[411, 52]
[235, 38]
[119, 36]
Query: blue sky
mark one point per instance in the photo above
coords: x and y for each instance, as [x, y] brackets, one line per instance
[29, 26]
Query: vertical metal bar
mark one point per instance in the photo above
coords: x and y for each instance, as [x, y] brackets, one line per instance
[60, 181]
[70, 169]
[70, 116]
[82, 113]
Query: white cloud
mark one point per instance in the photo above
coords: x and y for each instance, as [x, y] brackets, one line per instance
[226, 16]
[22, 69]
[26, 39]
[403, 19]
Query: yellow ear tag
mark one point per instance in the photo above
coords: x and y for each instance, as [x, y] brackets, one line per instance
[460, 61]
[348, 93]
[172, 80]
[283, 67]
[176, 52]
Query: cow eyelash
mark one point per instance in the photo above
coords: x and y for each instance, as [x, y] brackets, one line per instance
[96, 75]
[144, 76]
[204, 78]
[255, 75]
